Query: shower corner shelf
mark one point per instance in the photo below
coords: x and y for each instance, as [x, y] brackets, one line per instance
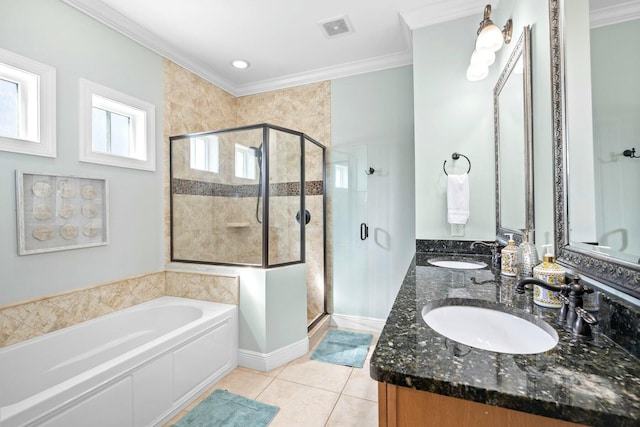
[237, 224]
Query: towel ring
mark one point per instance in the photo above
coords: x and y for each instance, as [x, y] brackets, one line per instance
[456, 156]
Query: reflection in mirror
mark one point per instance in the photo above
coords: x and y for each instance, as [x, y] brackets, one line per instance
[596, 110]
[513, 142]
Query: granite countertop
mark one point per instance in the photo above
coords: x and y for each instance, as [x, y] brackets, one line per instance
[592, 382]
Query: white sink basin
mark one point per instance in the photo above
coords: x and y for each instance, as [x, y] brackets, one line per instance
[490, 329]
[457, 264]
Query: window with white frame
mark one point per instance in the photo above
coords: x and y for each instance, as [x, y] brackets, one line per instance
[116, 129]
[204, 154]
[27, 105]
[245, 162]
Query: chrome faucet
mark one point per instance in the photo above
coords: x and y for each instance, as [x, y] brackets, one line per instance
[495, 257]
[573, 316]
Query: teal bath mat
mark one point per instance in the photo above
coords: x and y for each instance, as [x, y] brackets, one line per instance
[343, 348]
[222, 408]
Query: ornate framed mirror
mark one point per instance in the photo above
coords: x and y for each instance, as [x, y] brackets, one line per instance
[590, 246]
[513, 135]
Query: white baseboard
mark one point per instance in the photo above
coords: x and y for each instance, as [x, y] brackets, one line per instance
[367, 324]
[267, 361]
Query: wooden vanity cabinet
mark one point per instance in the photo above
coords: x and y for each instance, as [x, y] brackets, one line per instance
[406, 407]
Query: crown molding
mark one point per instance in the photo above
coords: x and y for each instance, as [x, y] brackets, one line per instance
[443, 11]
[120, 23]
[615, 14]
[328, 73]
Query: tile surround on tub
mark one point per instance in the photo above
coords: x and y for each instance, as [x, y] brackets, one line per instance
[203, 286]
[23, 321]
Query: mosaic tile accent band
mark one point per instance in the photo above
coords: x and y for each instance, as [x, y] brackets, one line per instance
[201, 188]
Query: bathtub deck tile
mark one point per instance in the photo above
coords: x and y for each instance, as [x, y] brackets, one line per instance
[147, 287]
[116, 297]
[12, 331]
[40, 315]
[81, 306]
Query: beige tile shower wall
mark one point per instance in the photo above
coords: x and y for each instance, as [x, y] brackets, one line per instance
[284, 157]
[313, 160]
[216, 229]
[305, 108]
[191, 104]
[284, 230]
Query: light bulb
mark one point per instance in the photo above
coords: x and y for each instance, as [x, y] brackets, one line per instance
[483, 57]
[490, 38]
[477, 72]
[240, 64]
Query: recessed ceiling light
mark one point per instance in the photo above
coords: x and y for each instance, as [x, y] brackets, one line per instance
[241, 64]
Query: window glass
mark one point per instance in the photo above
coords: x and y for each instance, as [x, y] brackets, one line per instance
[9, 108]
[27, 105]
[117, 129]
[204, 154]
[245, 162]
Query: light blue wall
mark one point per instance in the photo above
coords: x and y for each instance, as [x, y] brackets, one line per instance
[453, 114]
[372, 116]
[51, 32]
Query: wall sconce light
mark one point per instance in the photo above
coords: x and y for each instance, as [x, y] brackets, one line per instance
[490, 39]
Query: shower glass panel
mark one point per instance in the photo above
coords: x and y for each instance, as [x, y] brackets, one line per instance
[285, 176]
[215, 191]
[222, 211]
[349, 192]
[315, 254]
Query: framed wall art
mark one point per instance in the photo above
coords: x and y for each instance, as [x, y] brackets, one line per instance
[58, 212]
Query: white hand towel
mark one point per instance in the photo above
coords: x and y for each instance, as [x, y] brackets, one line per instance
[458, 198]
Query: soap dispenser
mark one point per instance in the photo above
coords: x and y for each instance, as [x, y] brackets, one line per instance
[508, 257]
[527, 256]
[549, 272]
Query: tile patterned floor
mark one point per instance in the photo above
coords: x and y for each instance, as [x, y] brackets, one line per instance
[308, 392]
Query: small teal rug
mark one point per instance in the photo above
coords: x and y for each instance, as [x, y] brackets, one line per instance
[222, 408]
[343, 348]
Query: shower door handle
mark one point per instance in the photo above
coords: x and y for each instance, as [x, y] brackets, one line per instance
[364, 231]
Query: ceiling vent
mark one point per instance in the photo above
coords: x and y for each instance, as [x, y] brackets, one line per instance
[337, 27]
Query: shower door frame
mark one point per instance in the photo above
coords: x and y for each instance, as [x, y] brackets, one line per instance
[265, 205]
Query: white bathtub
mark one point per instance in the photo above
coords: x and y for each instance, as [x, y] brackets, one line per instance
[134, 367]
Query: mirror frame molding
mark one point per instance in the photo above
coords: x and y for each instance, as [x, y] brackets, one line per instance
[521, 48]
[619, 274]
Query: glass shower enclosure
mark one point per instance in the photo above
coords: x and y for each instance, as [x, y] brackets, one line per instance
[250, 196]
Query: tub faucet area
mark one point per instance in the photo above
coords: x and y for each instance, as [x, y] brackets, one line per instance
[572, 314]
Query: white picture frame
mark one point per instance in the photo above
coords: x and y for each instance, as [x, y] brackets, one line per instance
[59, 212]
